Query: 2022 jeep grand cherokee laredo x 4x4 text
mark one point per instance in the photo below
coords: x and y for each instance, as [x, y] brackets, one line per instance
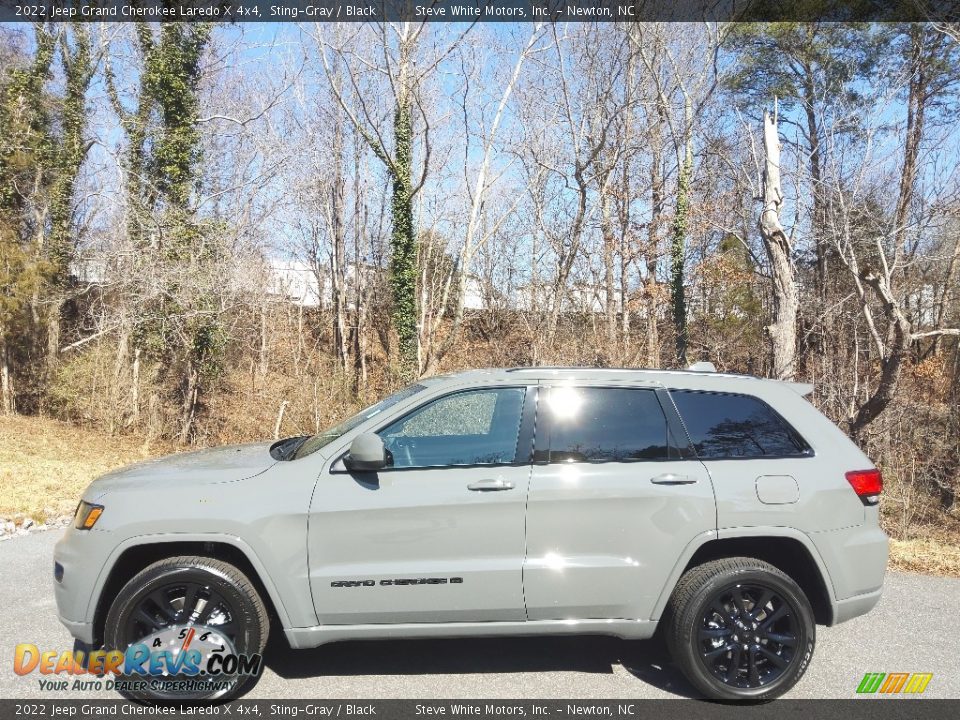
[497, 502]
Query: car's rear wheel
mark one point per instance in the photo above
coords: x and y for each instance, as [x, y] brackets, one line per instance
[191, 608]
[740, 629]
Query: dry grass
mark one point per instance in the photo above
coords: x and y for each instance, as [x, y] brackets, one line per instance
[45, 464]
[928, 556]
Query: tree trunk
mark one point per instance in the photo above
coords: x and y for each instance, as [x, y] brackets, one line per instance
[135, 389]
[190, 397]
[361, 292]
[899, 330]
[403, 239]
[948, 288]
[783, 330]
[626, 196]
[892, 364]
[816, 176]
[678, 254]
[609, 251]
[916, 113]
[338, 254]
[6, 379]
[53, 336]
[565, 261]
[651, 285]
[263, 365]
[79, 69]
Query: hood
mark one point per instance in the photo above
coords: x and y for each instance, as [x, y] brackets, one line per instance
[223, 464]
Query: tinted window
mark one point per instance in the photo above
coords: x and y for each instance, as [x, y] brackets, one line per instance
[605, 425]
[477, 427]
[735, 426]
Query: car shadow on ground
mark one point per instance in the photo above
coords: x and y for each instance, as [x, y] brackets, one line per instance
[646, 660]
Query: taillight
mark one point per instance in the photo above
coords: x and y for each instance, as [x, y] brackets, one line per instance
[867, 484]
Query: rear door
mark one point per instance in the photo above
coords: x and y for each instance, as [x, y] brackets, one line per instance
[615, 497]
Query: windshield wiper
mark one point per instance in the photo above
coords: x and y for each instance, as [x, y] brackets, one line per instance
[285, 449]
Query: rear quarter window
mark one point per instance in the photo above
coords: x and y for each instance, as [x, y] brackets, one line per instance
[733, 426]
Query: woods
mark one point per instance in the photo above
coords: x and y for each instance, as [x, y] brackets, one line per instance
[213, 232]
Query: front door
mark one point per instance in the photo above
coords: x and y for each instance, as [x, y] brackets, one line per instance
[615, 496]
[438, 535]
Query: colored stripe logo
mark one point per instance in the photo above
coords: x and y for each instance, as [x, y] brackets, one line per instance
[894, 683]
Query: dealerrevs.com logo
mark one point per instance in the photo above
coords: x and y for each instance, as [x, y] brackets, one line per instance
[178, 662]
[894, 683]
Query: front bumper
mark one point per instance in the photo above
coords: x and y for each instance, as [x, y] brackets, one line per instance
[81, 554]
[82, 631]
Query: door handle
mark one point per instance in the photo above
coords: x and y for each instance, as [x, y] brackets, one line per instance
[490, 485]
[673, 479]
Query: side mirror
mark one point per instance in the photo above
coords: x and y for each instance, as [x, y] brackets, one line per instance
[367, 454]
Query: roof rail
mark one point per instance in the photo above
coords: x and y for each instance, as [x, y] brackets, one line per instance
[539, 368]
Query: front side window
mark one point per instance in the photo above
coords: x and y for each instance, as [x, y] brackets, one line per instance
[725, 426]
[605, 425]
[475, 427]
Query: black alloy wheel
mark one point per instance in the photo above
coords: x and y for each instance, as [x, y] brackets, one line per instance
[748, 636]
[185, 604]
[740, 629]
[181, 603]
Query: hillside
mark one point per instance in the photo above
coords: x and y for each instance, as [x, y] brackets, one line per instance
[46, 464]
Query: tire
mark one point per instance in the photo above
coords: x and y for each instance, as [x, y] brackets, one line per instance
[152, 609]
[723, 607]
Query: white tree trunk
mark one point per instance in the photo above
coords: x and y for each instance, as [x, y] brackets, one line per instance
[783, 329]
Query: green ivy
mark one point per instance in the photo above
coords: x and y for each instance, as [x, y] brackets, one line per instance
[182, 330]
[403, 242]
[678, 254]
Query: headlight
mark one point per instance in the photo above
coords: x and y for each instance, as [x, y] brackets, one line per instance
[87, 515]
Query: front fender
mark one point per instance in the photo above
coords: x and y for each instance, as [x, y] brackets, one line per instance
[293, 605]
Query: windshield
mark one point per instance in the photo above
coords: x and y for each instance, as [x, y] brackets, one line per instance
[315, 442]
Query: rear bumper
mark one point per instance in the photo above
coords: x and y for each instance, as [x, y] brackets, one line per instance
[855, 606]
[856, 562]
[855, 558]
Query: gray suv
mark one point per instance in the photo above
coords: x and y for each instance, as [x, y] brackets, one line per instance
[723, 510]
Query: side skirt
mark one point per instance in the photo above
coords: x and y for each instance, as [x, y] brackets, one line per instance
[309, 637]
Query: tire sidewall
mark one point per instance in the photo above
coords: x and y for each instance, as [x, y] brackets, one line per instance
[686, 647]
[248, 641]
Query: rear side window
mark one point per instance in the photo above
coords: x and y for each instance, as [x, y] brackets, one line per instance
[724, 426]
[605, 425]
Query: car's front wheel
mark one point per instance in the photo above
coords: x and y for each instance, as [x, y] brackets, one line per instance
[190, 628]
[740, 629]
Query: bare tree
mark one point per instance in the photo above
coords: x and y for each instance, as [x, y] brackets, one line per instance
[397, 45]
[477, 233]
